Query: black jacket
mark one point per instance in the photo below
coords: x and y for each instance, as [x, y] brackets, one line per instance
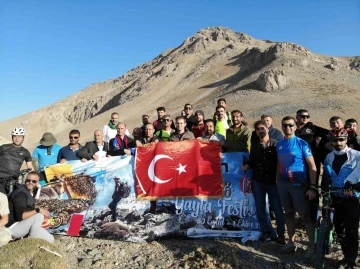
[273, 134]
[309, 132]
[120, 151]
[263, 161]
[20, 201]
[90, 149]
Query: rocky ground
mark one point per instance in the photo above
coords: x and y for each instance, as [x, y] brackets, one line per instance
[185, 254]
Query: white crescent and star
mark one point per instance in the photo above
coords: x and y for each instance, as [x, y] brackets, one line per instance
[151, 171]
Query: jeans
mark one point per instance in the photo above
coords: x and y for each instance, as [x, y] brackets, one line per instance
[259, 191]
[113, 206]
[32, 226]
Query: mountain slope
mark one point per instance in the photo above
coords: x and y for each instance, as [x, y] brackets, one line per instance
[254, 76]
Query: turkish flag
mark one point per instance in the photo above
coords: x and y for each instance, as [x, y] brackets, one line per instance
[178, 169]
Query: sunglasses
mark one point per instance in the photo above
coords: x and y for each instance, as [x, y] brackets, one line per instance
[305, 116]
[340, 139]
[73, 137]
[166, 119]
[284, 125]
[31, 180]
[188, 108]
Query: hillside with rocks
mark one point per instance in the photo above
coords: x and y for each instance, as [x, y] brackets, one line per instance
[253, 75]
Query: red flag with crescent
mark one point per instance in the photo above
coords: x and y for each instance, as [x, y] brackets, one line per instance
[178, 169]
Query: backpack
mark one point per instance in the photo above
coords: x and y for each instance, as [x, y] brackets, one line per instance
[126, 190]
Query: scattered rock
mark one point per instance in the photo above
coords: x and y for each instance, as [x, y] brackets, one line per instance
[332, 67]
[85, 263]
[355, 64]
[272, 81]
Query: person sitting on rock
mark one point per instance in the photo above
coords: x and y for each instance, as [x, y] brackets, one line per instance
[24, 218]
[121, 144]
[94, 150]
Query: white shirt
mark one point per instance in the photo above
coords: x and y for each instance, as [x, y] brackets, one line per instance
[111, 133]
[4, 205]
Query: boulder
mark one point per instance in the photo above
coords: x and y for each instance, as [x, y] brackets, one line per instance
[332, 67]
[272, 81]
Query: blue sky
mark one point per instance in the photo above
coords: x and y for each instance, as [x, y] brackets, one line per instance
[52, 49]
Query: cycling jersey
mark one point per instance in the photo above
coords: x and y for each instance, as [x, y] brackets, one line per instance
[11, 159]
[292, 154]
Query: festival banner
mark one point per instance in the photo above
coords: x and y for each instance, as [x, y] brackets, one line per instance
[92, 190]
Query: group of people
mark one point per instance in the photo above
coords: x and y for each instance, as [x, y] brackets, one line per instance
[287, 167]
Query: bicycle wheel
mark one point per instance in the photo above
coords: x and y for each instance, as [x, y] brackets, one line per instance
[321, 242]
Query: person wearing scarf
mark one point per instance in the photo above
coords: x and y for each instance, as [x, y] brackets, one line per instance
[121, 144]
[109, 129]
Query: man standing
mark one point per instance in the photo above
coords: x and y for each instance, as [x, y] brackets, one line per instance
[181, 133]
[109, 129]
[159, 123]
[325, 145]
[121, 144]
[12, 157]
[238, 135]
[189, 116]
[149, 136]
[68, 153]
[45, 154]
[342, 170]
[198, 129]
[353, 138]
[24, 218]
[222, 102]
[273, 132]
[210, 134]
[94, 150]
[145, 120]
[222, 123]
[263, 162]
[165, 133]
[294, 156]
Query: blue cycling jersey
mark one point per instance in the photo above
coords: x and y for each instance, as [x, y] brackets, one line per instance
[292, 154]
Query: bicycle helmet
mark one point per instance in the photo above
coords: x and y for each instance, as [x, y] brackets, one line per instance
[18, 131]
[338, 133]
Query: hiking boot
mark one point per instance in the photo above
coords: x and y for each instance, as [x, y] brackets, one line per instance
[288, 248]
[267, 237]
[309, 255]
[281, 241]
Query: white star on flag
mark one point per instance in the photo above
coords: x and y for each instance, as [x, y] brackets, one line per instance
[181, 168]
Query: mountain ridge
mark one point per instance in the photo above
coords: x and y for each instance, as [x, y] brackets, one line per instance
[214, 62]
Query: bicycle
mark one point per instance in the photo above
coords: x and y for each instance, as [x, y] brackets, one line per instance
[324, 228]
[16, 179]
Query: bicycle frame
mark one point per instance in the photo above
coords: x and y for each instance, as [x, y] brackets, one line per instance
[324, 228]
